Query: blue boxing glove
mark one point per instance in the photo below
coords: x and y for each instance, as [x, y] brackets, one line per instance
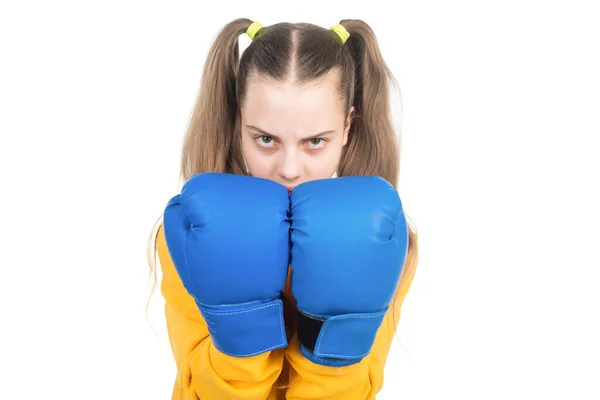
[349, 244]
[228, 237]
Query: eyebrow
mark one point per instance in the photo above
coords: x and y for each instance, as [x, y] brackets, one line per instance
[263, 132]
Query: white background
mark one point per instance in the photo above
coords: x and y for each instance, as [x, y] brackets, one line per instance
[499, 173]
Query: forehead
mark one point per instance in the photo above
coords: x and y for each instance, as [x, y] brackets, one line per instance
[278, 106]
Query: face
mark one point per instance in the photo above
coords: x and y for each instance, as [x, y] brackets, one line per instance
[294, 133]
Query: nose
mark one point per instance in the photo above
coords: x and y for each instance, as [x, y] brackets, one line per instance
[290, 168]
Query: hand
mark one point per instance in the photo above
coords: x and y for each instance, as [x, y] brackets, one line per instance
[349, 244]
[228, 237]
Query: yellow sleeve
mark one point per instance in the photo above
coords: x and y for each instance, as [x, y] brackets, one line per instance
[360, 381]
[202, 371]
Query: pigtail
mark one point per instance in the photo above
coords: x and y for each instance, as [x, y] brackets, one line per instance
[372, 144]
[211, 134]
[209, 142]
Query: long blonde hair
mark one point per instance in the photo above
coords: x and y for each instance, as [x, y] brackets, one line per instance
[303, 52]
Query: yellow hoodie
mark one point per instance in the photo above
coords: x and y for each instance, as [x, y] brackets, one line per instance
[206, 374]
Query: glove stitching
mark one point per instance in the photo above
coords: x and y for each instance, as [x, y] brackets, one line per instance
[241, 311]
[187, 267]
[328, 361]
[280, 344]
[255, 353]
[312, 316]
[340, 355]
[234, 305]
[389, 300]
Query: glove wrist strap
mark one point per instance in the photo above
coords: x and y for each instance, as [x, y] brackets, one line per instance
[244, 330]
[338, 340]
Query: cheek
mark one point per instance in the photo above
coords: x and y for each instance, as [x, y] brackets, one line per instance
[326, 163]
[245, 146]
[249, 149]
[256, 160]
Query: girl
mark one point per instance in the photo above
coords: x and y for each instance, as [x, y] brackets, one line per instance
[303, 103]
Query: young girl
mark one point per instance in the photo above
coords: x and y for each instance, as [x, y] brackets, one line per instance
[303, 104]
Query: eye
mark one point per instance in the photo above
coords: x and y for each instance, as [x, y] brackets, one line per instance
[265, 141]
[316, 143]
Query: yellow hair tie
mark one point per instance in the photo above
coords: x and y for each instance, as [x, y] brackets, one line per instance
[341, 32]
[253, 28]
